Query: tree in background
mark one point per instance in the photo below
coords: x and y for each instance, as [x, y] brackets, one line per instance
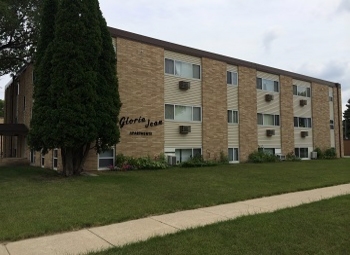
[2, 108]
[346, 121]
[19, 20]
[82, 103]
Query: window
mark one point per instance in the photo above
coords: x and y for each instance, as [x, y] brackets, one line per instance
[330, 96]
[24, 103]
[301, 152]
[302, 122]
[267, 150]
[233, 155]
[301, 91]
[331, 123]
[182, 113]
[42, 163]
[268, 119]
[183, 155]
[55, 159]
[232, 116]
[182, 69]
[32, 156]
[268, 85]
[106, 159]
[232, 78]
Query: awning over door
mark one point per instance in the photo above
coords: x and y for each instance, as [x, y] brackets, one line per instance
[13, 129]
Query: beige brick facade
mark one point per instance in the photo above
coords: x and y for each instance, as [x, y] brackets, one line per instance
[248, 138]
[287, 125]
[320, 116]
[214, 108]
[141, 87]
[144, 89]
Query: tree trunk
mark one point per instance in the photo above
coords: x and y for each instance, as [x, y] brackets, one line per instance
[67, 161]
[73, 159]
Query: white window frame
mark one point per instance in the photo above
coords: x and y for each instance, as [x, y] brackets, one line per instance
[308, 122]
[54, 159]
[174, 69]
[298, 148]
[230, 74]
[194, 148]
[330, 96]
[32, 156]
[230, 112]
[99, 157]
[235, 160]
[42, 160]
[192, 106]
[296, 91]
[275, 117]
[260, 85]
[267, 149]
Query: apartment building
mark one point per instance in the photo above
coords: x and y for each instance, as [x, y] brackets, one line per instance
[182, 101]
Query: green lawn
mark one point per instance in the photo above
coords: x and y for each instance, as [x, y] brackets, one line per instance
[318, 228]
[36, 201]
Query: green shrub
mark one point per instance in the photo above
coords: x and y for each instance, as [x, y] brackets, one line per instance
[319, 153]
[197, 161]
[261, 156]
[291, 157]
[125, 163]
[330, 153]
[223, 158]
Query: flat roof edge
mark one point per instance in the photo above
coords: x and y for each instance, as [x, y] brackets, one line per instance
[115, 32]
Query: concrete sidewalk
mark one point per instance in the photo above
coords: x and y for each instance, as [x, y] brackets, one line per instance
[82, 241]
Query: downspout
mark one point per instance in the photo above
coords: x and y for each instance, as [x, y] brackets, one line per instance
[340, 125]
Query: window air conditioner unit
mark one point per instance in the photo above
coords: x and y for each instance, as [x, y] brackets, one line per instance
[268, 97]
[303, 102]
[185, 129]
[172, 160]
[184, 85]
[270, 132]
[304, 133]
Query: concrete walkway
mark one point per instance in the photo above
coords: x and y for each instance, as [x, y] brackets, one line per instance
[82, 241]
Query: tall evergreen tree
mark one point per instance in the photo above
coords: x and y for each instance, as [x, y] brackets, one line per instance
[19, 21]
[38, 136]
[346, 121]
[83, 98]
[108, 101]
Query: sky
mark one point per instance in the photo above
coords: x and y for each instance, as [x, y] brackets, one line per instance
[308, 37]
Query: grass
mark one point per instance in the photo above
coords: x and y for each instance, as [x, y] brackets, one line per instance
[318, 228]
[37, 201]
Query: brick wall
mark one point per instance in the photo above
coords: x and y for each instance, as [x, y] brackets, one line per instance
[140, 70]
[214, 103]
[287, 125]
[320, 116]
[247, 96]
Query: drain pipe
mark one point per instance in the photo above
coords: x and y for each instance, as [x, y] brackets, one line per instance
[340, 123]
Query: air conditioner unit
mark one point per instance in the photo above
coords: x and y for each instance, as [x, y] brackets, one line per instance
[270, 132]
[303, 102]
[304, 133]
[185, 129]
[172, 160]
[268, 97]
[184, 85]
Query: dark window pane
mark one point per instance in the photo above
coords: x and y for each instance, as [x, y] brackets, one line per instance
[169, 66]
[295, 90]
[229, 78]
[258, 83]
